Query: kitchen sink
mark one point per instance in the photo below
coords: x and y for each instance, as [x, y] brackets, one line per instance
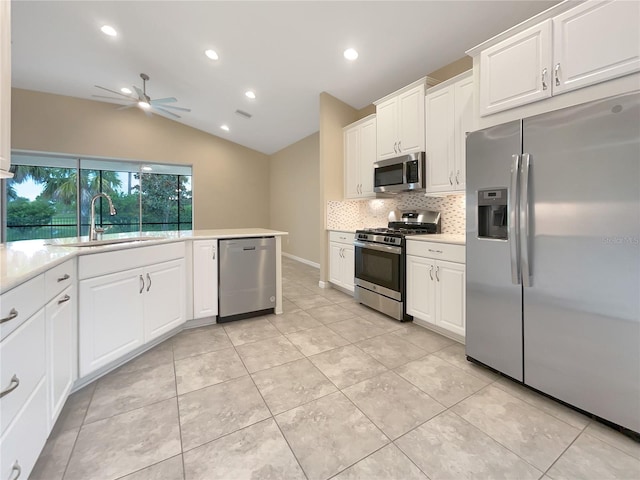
[98, 243]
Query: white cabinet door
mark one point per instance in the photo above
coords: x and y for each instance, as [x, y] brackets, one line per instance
[111, 318]
[411, 121]
[5, 87]
[335, 263]
[352, 162]
[516, 71]
[421, 288]
[387, 129]
[348, 267]
[464, 123]
[164, 298]
[450, 296]
[367, 157]
[595, 41]
[205, 278]
[440, 141]
[62, 350]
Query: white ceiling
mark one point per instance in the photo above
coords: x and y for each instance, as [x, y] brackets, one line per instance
[287, 52]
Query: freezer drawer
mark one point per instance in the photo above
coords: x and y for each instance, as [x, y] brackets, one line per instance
[247, 272]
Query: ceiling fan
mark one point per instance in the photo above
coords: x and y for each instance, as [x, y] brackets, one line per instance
[142, 100]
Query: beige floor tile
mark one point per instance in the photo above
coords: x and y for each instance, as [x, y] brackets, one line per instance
[75, 409]
[330, 313]
[214, 411]
[197, 341]
[614, 438]
[268, 353]
[524, 429]
[388, 463]
[392, 403]
[256, 452]
[345, 366]
[117, 446]
[121, 391]
[455, 354]
[591, 459]
[329, 434]
[356, 329]
[207, 369]
[311, 301]
[357, 308]
[170, 469]
[54, 457]
[289, 307]
[447, 447]
[391, 350]
[293, 322]
[251, 330]
[295, 290]
[291, 385]
[423, 338]
[316, 340]
[382, 321]
[158, 355]
[441, 380]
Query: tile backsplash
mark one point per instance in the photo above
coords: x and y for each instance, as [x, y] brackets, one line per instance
[354, 214]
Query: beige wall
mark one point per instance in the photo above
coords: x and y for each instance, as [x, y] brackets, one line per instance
[454, 68]
[230, 182]
[295, 196]
[334, 115]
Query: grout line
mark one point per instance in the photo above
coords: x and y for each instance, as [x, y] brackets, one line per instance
[175, 378]
[565, 450]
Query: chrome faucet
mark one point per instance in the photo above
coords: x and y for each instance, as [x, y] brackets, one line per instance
[94, 231]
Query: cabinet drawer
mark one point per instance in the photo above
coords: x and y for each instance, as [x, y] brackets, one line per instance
[22, 442]
[341, 237]
[23, 355]
[117, 261]
[439, 251]
[25, 300]
[59, 278]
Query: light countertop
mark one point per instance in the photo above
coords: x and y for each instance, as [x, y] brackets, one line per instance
[21, 261]
[343, 230]
[453, 238]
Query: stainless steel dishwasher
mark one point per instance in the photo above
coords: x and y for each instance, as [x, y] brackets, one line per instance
[247, 283]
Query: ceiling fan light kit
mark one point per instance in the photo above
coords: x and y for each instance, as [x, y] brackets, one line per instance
[144, 101]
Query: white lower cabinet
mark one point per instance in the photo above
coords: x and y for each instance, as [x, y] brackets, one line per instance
[164, 298]
[436, 287]
[342, 260]
[205, 278]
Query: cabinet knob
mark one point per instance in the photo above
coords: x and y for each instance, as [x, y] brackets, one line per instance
[556, 74]
[450, 175]
[400, 146]
[431, 272]
[437, 276]
[213, 251]
[544, 79]
[64, 299]
[17, 470]
[13, 384]
[64, 277]
[395, 147]
[148, 280]
[457, 179]
[13, 313]
[141, 284]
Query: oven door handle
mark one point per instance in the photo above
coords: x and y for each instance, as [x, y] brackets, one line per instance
[378, 247]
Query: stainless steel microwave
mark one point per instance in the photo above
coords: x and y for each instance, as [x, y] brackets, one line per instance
[400, 174]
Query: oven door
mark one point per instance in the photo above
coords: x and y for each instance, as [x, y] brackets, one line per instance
[379, 268]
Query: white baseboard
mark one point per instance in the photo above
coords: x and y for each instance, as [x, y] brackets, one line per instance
[301, 260]
[440, 330]
[322, 284]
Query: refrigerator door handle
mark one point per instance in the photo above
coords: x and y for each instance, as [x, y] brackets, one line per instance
[524, 220]
[514, 234]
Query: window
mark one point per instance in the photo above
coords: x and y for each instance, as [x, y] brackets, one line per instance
[48, 199]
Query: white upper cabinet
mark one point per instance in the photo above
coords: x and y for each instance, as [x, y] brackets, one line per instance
[400, 117]
[516, 71]
[5, 89]
[573, 47]
[595, 41]
[359, 157]
[449, 116]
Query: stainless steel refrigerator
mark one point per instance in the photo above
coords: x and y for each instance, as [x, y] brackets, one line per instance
[553, 254]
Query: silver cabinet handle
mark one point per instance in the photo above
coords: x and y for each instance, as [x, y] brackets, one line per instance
[13, 384]
[431, 272]
[66, 298]
[457, 179]
[544, 78]
[64, 277]
[16, 468]
[148, 280]
[395, 147]
[13, 313]
[141, 284]
[450, 175]
[399, 146]
[213, 251]
[437, 276]
[435, 251]
[556, 74]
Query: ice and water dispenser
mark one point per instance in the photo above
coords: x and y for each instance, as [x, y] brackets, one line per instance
[492, 213]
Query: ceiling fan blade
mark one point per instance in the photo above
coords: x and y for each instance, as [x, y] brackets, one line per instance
[164, 100]
[140, 94]
[124, 107]
[155, 107]
[117, 93]
[110, 98]
[182, 109]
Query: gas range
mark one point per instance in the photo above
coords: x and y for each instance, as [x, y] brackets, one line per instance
[401, 224]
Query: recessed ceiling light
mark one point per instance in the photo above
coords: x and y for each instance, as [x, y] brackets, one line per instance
[144, 105]
[145, 168]
[126, 90]
[109, 30]
[350, 54]
[224, 127]
[250, 94]
[211, 54]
